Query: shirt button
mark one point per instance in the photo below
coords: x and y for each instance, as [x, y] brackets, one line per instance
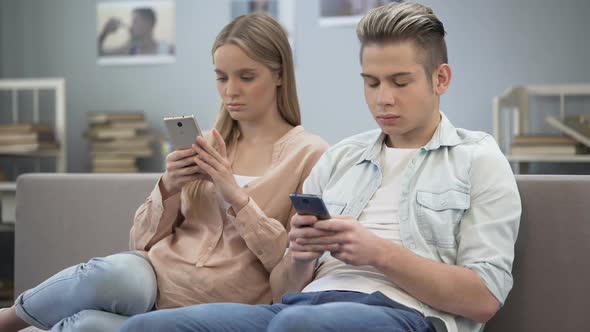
[209, 248]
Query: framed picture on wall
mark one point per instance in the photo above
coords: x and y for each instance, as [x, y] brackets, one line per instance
[347, 12]
[282, 10]
[135, 32]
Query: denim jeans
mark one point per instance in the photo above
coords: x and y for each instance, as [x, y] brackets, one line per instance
[337, 311]
[95, 296]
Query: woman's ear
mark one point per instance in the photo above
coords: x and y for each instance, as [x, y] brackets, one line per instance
[279, 74]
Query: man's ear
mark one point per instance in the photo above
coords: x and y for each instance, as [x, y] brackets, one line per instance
[441, 79]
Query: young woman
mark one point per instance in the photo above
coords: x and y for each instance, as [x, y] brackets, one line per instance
[215, 224]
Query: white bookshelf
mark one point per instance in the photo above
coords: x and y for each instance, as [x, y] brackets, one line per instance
[14, 87]
[511, 116]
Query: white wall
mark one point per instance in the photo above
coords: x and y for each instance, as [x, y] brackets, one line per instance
[492, 45]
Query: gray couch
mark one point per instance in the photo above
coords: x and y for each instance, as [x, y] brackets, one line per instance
[66, 219]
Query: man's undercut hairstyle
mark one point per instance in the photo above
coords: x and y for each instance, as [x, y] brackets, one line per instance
[402, 22]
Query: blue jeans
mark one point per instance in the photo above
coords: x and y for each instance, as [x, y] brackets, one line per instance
[95, 296]
[338, 311]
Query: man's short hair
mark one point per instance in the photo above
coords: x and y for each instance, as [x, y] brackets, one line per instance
[147, 13]
[400, 22]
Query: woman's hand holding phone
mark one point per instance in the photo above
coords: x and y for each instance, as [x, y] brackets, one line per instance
[215, 164]
[180, 170]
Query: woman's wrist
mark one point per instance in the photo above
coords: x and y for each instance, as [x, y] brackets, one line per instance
[240, 202]
[165, 190]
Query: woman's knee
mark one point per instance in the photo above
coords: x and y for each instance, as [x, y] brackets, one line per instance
[125, 276]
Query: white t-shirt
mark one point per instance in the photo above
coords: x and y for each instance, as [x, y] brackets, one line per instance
[242, 181]
[381, 217]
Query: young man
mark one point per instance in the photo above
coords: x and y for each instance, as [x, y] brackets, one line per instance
[424, 215]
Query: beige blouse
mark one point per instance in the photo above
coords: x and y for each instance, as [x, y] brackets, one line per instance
[202, 253]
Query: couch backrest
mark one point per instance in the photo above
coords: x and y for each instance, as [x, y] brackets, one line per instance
[65, 219]
[552, 264]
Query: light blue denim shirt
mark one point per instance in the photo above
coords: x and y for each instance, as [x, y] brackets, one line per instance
[459, 203]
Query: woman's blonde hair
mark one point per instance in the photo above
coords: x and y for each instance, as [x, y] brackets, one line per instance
[264, 40]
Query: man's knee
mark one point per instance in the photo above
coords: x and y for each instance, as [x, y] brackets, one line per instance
[144, 323]
[90, 321]
[293, 319]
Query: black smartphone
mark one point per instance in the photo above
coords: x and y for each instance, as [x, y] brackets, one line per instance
[310, 205]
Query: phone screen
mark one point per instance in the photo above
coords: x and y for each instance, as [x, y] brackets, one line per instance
[306, 204]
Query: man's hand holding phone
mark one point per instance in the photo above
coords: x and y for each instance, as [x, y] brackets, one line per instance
[310, 209]
[302, 229]
[343, 236]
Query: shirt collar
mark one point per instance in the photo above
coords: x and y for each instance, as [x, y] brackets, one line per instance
[445, 135]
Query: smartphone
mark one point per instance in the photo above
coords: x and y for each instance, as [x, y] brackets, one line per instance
[310, 205]
[182, 131]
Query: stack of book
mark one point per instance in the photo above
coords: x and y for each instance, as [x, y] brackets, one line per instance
[18, 138]
[117, 140]
[575, 141]
[576, 127]
[543, 145]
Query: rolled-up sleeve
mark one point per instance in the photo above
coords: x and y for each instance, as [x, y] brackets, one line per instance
[265, 237]
[154, 220]
[489, 228]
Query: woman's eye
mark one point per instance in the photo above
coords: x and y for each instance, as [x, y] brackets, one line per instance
[247, 78]
[222, 79]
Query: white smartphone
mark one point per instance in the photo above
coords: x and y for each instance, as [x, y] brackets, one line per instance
[182, 131]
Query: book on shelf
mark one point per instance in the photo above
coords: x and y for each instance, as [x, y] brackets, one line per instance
[577, 127]
[122, 153]
[101, 169]
[26, 137]
[137, 142]
[106, 133]
[12, 128]
[114, 162]
[117, 140]
[106, 117]
[542, 140]
[28, 147]
[122, 125]
[21, 138]
[565, 149]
